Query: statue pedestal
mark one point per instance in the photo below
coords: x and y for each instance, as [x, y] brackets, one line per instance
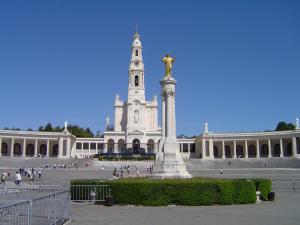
[169, 163]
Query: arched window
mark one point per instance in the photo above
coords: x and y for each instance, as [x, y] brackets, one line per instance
[30, 150]
[136, 146]
[110, 146]
[136, 52]
[227, 151]
[17, 149]
[289, 149]
[55, 150]
[4, 150]
[216, 151]
[136, 80]
[239, 151]
[252, 151]
[150, 146]
[121, 145]
[43, 149]
[264, 151]
[277, 150]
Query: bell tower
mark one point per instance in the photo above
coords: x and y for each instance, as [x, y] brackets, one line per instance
[136, 85]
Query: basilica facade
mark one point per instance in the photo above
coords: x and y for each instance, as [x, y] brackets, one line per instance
[135, 128]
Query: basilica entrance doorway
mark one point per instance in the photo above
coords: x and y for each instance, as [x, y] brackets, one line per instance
[136, 146]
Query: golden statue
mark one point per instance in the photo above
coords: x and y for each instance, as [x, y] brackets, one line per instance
[168, 60]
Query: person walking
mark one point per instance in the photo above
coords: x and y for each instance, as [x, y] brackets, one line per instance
[114, 173]
[3, 176]
[31, 178]
[18, 178]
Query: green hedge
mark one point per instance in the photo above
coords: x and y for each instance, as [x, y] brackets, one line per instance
[264, 186]
[195, 191]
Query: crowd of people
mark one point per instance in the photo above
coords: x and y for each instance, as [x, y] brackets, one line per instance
[29, 173]
[65, 166]
[127, 171]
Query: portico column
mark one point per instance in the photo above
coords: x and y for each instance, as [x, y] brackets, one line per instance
[281, 148]
[246, 149]
[294, 147]
[223, 149]
[270, 148]
[89, 148]
[234, 149]
[203, 148]
[181, 147]
[155, 147]
[0, 146]
[35, 148]
[24, 147]
[12, 147]
[189, 148]
[69, 148]
[47, 150]
[257, 149]
[82, 149]
[211, 148]
[61, 147]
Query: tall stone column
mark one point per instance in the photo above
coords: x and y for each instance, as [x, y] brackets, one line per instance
[246, 149]
[281, 148]
[61, 147]
[169, 162]
[223, 149]
[69, 148]
[203, 149]
[35, 148]
[270, 148]
[257, 149]
[12, 147]
[294, 153]
[48, 148]
[234, 149]
[211, 148]
[24, 148]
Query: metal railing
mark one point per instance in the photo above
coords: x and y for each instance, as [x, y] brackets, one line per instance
[45, 209]
[94, 193]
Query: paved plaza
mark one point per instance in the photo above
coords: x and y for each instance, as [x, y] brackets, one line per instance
[285, 209]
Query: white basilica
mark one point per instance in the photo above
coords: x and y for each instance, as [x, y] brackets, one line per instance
[135, 127]
[136, 130]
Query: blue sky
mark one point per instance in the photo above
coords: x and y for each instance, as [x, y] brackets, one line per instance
[237, 62]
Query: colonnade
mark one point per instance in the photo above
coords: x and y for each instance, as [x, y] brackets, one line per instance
[250, 148]
[34, 147]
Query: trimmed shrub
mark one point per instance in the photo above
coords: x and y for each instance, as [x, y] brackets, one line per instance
[264, 186]
[244, 192]
[195, 191]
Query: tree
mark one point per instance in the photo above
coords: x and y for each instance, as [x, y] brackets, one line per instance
[48, 127]
[281, 126]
